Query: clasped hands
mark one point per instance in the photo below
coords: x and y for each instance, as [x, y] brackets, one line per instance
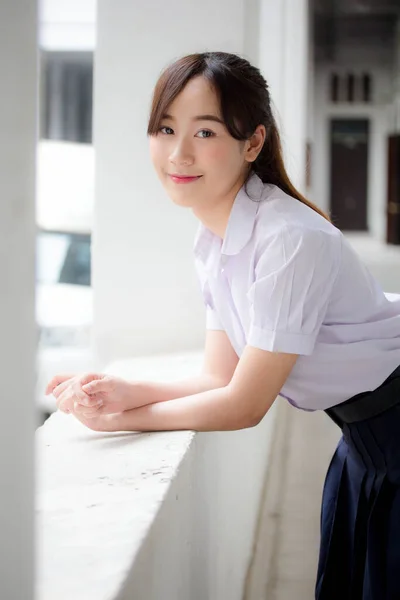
[93, 398]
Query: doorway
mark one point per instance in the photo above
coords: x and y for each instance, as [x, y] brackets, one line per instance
[349, 142]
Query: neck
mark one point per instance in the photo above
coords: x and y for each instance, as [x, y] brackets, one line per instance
[216, 215]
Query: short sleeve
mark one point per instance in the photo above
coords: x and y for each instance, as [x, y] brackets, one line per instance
[294, 278]
[212, 319]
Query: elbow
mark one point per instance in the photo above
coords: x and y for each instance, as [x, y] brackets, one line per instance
[254, 418]
[253, 421]
[258, 410]
[245, 413]
[250, 419]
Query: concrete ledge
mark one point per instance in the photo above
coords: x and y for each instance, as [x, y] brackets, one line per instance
[147, 516]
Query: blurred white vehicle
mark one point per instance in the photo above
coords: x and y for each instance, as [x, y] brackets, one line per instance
[64, 311]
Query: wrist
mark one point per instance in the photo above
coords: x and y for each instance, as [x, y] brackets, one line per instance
[135, 395]
[114, 422]
[122, 421]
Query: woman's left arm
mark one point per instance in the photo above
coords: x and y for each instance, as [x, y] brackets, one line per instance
[257, 381]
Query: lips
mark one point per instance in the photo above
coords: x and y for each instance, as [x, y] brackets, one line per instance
[184, 178]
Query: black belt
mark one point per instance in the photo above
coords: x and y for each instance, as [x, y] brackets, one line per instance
[368, 404]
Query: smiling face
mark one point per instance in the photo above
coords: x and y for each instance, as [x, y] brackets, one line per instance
[198, 162]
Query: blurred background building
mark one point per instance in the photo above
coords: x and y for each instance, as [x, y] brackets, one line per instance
[354, 115]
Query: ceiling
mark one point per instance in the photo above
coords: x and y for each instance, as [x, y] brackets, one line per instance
[357, 7]
[362, 22]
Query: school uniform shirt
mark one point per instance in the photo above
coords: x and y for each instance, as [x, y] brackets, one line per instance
[284, 279]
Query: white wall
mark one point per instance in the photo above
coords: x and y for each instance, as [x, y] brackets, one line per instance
[147, 298]
[283, 58]
[18, 104]
[201, 542]
[146, 294]
[310, 110]
[378, 112]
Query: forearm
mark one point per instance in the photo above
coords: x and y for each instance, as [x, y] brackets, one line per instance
[213, 410]
[149, 392]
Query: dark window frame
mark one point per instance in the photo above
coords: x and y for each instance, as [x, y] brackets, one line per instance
[64, 275]
[66, 89]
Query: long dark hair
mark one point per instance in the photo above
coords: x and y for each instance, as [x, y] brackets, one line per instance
[245, 103]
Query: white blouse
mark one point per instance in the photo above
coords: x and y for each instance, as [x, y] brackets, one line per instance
[284, 279]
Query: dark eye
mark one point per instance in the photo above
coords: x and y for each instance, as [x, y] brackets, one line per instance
[207, 132]
[166, 132]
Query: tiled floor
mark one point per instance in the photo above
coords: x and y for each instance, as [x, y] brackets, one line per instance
[312, 440]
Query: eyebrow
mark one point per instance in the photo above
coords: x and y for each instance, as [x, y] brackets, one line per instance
[213, 118]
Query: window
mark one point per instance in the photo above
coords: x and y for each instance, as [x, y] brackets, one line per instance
[67, 96]
[334, 87]
[350, 87]
[63, 258]
[366, 86]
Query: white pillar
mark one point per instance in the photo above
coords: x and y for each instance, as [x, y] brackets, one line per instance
[310, 109]
[18, 64]
[283, 48]
[145, 288]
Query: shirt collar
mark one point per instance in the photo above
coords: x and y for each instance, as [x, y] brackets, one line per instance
[240, 223]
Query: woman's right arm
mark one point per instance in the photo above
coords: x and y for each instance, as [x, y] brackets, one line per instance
[82, 393]
[219, 364]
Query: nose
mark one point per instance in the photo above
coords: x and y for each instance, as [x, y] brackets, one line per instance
[181, 154]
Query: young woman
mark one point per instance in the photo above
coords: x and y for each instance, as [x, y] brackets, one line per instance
[291, 310]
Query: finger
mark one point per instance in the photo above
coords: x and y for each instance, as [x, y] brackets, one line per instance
[65, 402]
[92, 400]
[101, 409]
[55, 381]
[65, 406]
[87, 411]
[61, 388]
[100, 385]
[89, 377]
[83, 395]
[79, 394]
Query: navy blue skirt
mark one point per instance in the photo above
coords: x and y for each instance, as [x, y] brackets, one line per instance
[360, 516]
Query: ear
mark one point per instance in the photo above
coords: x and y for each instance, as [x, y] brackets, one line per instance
[255, 144]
